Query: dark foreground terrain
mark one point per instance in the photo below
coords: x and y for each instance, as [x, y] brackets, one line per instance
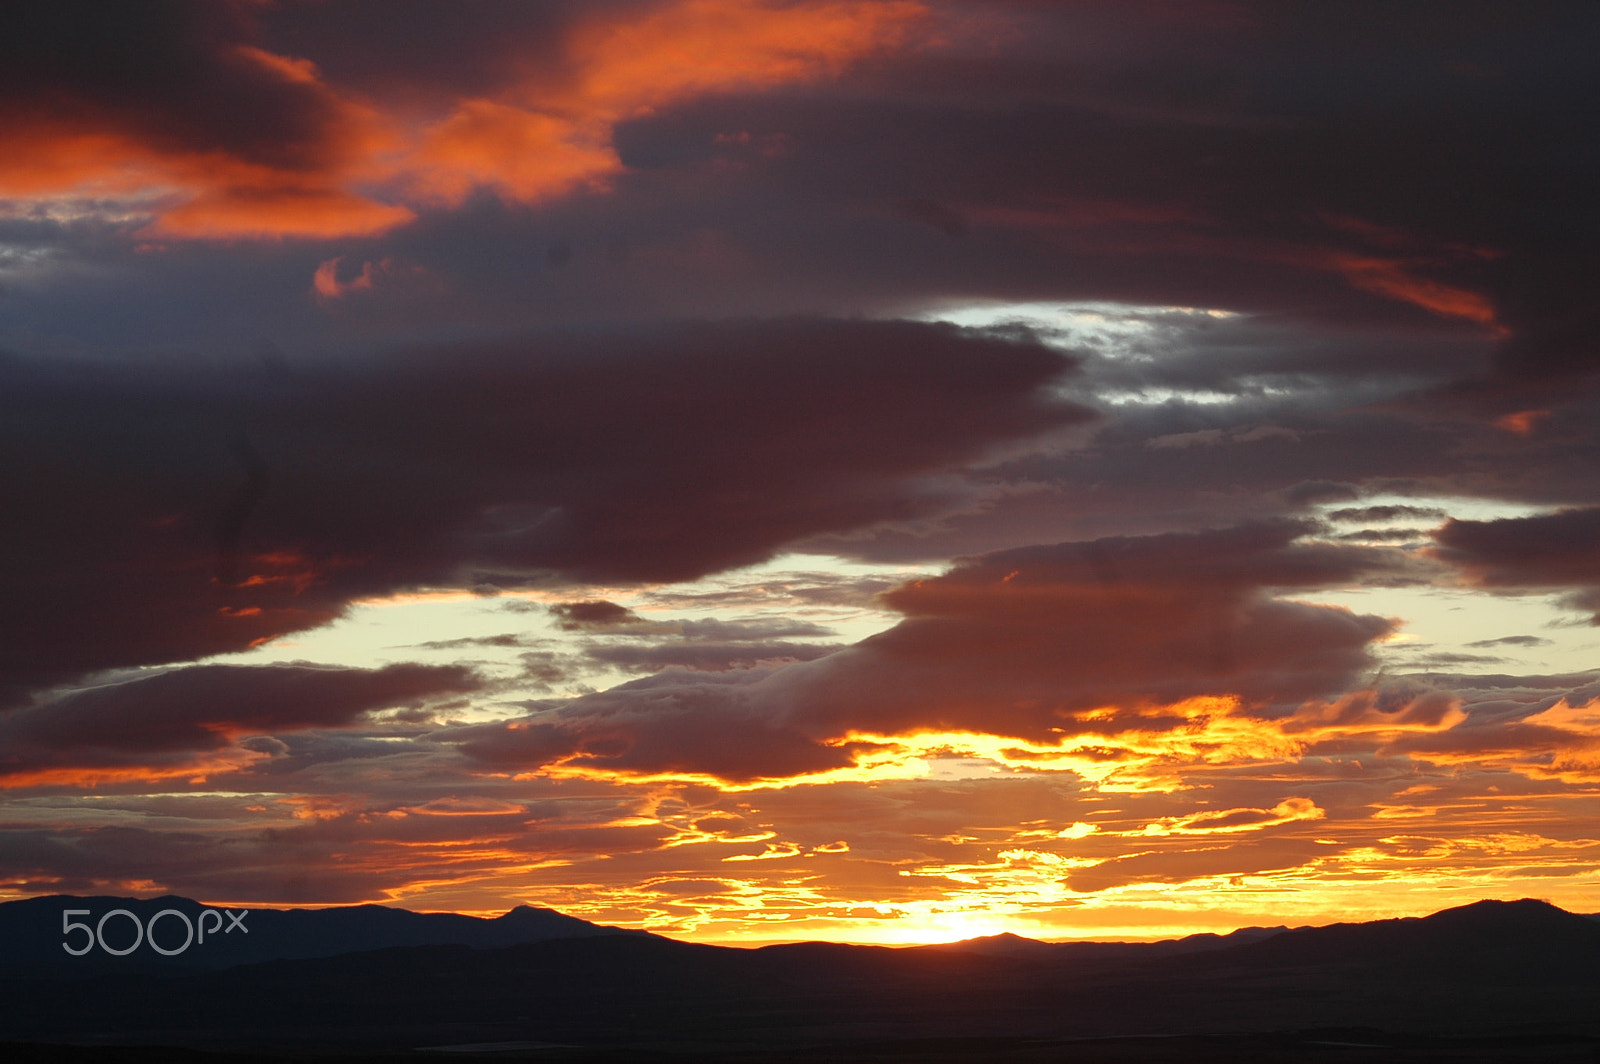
[1309, 1047]
[1493, 981]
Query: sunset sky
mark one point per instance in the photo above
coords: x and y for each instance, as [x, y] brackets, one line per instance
[875, 470]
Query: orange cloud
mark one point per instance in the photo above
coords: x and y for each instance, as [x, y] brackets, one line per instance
[198, 721]
[540, 140]
[314, 162]
[282, 170]
[1523, 422]
[1559, 743]
[191, 769]
[1228, 821]
[773, 852]
[1120, 659]
[523, 154]
[1391, 278]
[325, 282]
[472, 806]
[1369, 714]
[39, 161]
[277, 210]
[703, 46]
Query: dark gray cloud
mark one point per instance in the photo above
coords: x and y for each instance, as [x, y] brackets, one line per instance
[1550, 551]
[1141, 167]
[707, 655]
[94, 67]
[1386, 513]
[166, 720]
[577, 616]
[510, 639]
[658, 457]
[1512, 641]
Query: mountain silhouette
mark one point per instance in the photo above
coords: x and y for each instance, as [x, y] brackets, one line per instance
[1522, 940]
[1010, 945]
[32, 931]
[1492, 969]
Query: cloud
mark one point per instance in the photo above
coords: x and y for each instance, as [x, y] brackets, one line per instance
[1384, 713]
[1102, 177]
[1127, 182]
[352, 847]
[549, 137]
[695, 724]
[1240, 857]
[1386, 513]
[624, 458]
[1558, 550]
[1561, 742]
[627, 640]
[1213, 437]
[1300, 254]
[509, 639]
[575, 616]
[1512, 641]
[189, 721]
[609, 619]
[1545, 550]
[177, 100]
[1207, 626]
[707, 655]
[1392, 278]
[753, 629]
[1119, 652]
[1229, 821]
[1199, 438]
[174, 98]
[325, 283]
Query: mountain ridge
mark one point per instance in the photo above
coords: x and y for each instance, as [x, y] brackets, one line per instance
[1478, 969]
[34, 930]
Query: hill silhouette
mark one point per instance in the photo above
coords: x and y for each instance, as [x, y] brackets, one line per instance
[1521, 940]
[1010, 945]
[1492, 969]
[32, 932]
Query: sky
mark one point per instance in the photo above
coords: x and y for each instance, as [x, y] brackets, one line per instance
[757, 470]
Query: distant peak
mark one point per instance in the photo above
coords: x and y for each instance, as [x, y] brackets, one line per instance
[1494, 908]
